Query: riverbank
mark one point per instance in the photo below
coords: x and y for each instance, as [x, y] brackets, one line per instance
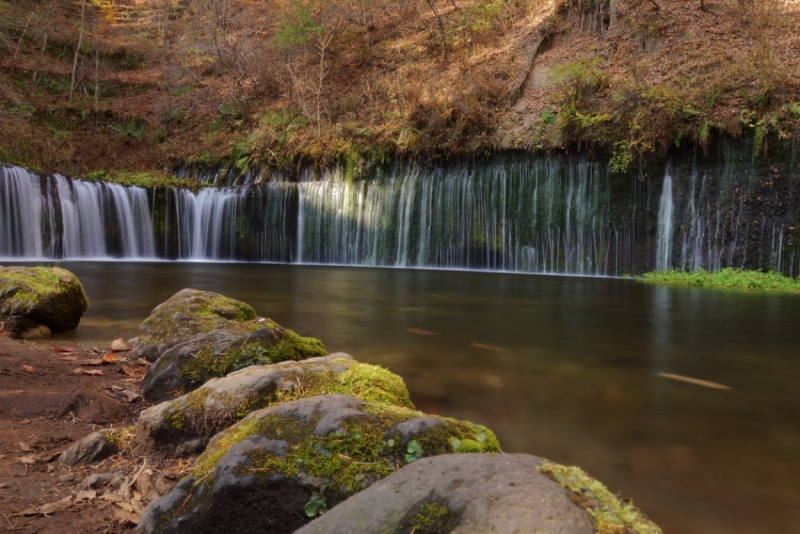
[728, 278]
[628, 81]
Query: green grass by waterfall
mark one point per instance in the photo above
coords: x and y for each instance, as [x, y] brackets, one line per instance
[728, 278]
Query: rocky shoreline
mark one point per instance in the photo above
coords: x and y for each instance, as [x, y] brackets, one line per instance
[260, 430]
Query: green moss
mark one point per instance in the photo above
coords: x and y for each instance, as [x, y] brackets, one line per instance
[611, 514]
[362, 451]
[49, 295]
[728, 278]
[432, 518]
[187, 416]
[295, 347]
[208, 363]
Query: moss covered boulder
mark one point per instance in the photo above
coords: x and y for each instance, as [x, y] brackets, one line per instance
[49, 296]
[96, 446]
[184, 425]
[198, 335]
[465, 493]
[282, 465]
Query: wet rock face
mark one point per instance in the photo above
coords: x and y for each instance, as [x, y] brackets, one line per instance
[186, 423]
[467, 493]
[198, 335]
[263, 472]
[52, 297]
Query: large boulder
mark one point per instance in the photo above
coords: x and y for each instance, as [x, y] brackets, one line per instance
[185, 424]
[279, 466]
[197, 335]
[464, 493]
[49, 296]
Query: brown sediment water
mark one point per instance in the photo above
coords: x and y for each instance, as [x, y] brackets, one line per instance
[588, 374]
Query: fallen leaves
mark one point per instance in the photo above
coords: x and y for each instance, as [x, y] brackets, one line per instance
[28, 369]
[63, 349]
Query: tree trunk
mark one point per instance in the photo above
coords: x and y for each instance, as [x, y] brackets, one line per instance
[77, 52]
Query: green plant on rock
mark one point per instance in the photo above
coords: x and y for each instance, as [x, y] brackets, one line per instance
[413, 451]
[315, 506]
[611, 514]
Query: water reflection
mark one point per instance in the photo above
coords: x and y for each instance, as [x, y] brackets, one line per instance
[577, 377]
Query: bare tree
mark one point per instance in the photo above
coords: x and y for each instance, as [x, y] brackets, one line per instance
[77, 51]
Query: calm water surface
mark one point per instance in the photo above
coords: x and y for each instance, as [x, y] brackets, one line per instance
[565, 368]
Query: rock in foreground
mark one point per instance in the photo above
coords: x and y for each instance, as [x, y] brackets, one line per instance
[466, 493]
[197, 335]
[277, 467]
[49, 296]
[184, 425]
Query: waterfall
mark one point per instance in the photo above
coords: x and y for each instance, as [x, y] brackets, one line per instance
[57, 217]
[665, 224]
[519, 215]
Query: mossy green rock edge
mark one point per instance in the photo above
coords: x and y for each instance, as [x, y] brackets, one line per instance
[197, 335]
[278, 458]
[50, 296]
[186, 423]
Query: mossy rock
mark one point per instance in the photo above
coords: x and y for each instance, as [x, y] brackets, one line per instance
[464, 493]
[280, 465]
[197, 335]
[186, 423]
[50, 296]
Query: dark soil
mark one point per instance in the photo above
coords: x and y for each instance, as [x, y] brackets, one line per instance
[44, 407]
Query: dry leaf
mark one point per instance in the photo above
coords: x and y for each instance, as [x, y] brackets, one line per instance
[136, 372]
[63, 349]
[28, 460]
[92, 372]
[97, 361]
[69, 358]
[418, 331]
[110, 358]
[142, 361]
[28, 369]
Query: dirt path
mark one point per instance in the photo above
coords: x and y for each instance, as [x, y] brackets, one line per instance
[47, 401]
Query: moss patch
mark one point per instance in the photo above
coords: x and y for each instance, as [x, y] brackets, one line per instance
[728, 278]
[363, 450]
[432, 518]
[209, 363]
[187, 417]
[611, 514]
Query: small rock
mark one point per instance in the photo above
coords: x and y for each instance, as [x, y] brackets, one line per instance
[100, 480]
[66, 477]
[93, 407]
[119, 345]
[93, 448]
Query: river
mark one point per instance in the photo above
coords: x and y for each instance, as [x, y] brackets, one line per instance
[567, 368]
